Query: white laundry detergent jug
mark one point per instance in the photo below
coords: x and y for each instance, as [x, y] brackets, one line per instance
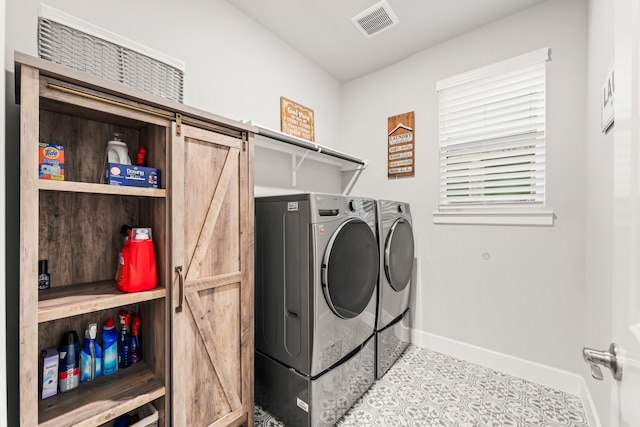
[117, 150]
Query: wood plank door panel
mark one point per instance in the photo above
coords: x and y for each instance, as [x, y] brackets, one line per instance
[212, 223]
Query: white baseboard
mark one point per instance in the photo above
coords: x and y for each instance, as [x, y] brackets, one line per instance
[541, 374]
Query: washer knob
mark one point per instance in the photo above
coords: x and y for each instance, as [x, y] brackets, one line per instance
[352, 205]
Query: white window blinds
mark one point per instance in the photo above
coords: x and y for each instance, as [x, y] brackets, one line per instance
[492, 135]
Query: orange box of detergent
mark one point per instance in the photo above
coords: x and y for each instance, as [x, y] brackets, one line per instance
[51, 161]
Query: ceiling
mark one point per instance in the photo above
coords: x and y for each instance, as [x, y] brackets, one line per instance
[322, 29]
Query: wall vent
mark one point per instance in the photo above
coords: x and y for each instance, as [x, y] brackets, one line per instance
[375, 19]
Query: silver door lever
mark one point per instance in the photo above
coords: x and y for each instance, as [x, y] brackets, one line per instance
[608, 359]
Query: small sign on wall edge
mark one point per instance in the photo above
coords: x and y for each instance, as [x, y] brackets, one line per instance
[608, 99]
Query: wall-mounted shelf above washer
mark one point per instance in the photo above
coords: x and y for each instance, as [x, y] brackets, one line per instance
[301, 149]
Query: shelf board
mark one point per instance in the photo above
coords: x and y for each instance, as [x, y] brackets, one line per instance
[66, 301]
[103, 399]
[87, 187]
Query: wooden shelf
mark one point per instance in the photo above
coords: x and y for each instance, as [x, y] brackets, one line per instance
[102, 399]
[67, 301]
[86, 187]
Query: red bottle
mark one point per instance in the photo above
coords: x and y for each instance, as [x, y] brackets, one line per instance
[137, 262]
[136, 342]
[141, 157]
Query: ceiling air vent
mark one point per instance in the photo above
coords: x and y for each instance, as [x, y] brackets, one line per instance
[375, 19]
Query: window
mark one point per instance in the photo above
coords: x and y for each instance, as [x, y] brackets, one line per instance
[492, 137]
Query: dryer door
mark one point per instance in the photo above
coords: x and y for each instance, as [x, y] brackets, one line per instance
[350, 268]
[398, 254]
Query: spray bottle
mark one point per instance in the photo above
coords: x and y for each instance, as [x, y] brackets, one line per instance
[136, 342]
[91, 364]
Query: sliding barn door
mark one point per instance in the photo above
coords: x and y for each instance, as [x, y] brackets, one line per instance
[212, 293]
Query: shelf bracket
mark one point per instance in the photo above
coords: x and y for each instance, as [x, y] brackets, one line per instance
[349, 186]
[295, 166]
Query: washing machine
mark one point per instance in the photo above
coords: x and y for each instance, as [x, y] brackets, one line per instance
[395, 236]
[316, 273]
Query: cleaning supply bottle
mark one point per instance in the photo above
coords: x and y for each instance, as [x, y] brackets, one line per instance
[117, 150]
[136, 349]
[44, 279]
[141, 157]
[110, 347]
[124, 341]
[91, 357]
[136, 262]
[69, 367]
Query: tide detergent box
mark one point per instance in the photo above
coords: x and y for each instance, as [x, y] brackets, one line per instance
[49, 372]
[132, 175]
[51, 161]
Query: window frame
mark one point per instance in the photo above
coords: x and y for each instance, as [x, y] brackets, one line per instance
[511, 213]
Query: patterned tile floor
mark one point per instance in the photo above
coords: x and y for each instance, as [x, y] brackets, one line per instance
[426, 388]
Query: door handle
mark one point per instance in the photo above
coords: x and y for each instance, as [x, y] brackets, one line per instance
[180, 288]
[608, 359]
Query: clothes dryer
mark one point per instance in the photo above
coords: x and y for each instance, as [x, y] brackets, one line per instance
[317, 267]
[395, 236]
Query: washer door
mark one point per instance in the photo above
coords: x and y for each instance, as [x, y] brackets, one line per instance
[350, 268]
[398, 254]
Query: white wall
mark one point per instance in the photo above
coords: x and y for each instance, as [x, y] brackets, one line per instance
[599, 212]
[235, 68]
[527, 300]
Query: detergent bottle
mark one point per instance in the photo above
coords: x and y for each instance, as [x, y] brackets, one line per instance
[91, 356]
[117, 150]
[110, 350]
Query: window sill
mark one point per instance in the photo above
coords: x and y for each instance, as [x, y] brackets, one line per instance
[544, 218]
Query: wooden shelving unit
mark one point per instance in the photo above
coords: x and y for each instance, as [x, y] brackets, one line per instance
[75, 225]
[200, 315]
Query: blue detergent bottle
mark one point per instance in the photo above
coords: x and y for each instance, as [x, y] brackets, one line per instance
[91, 356]
[110, 347]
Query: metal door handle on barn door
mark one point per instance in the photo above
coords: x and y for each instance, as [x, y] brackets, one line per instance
[181, 288]
[608, 359]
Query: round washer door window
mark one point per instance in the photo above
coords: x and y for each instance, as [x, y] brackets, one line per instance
[350, 268]
[398, 254]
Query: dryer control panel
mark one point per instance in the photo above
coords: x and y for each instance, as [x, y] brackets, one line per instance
[358, 205]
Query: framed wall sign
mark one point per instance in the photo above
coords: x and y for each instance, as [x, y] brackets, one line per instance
[297, 120]
[401, 145]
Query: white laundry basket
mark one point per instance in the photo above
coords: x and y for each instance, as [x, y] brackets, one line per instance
[67, 40]
[148, 417]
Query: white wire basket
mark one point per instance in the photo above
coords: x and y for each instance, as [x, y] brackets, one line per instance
[64, 44]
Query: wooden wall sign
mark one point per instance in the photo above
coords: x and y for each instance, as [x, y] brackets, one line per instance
[296, 119]
[401, 145]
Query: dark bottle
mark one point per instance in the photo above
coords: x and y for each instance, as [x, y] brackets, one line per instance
[44, 279]
[124, 341]
[69, 368]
